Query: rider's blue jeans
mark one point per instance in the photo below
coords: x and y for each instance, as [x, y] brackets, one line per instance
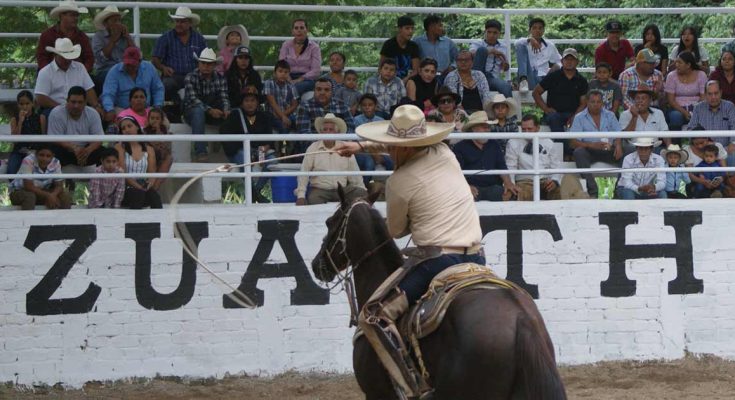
[418, 280]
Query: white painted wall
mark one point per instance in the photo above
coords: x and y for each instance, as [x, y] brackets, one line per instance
[120, 339]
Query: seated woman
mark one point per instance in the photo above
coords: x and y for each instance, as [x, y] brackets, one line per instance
[241, 75]
[471, 85]
[421, 87]
[27, 193]
[137, 109]
[725, 74]
[158, 125]
[689, 41]
[684, 87]
[304, 57]
[447, 109]
[138, 157]
[652, 41]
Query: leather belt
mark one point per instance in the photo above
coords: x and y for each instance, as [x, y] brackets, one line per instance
[462, 250]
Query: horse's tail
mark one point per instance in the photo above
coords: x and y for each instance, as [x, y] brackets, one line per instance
[535, 362]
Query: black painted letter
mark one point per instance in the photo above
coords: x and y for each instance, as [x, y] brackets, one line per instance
[618, 284]
[143, 234]
[38, 300]
[515, 225]
[306, 292]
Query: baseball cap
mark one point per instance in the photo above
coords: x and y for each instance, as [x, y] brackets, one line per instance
[646, 55]
[131, 56]
[613, 26]
[570, 52]
[241, 51]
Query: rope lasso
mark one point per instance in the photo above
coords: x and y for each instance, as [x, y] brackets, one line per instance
[188, 242]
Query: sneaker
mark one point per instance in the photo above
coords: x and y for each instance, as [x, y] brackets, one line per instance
[523, 86]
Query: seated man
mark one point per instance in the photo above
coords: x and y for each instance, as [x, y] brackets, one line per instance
[490, 56]
[402, 49]
[641, 117]
[436, 45]
[27, 193]
[643, 185]
[595, 118]
[484, 154]
[716, 114]
[55, 79]
[109, 43]
[321, 104]
[132, 72]
[323, 189]
[74, 118]
[519, 155]
[536, 56]
[205, 99]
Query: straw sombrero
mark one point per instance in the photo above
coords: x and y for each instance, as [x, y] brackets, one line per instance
[407, 128]
[185, 13]
[109, 11]
[499, 98]
[477, 118]
[341, 125]
[674, 148]
[67, 5]
[226, 30]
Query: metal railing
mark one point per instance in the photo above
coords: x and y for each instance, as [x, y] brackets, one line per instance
[248, 174]
[505, 14]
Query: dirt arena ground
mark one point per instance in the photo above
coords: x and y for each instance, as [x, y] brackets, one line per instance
[691, 378]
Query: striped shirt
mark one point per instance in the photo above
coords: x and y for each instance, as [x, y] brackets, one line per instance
[388, 94]
[284, 93]
[202, 92]
[30, 166]
[106, 193]
[177, 55]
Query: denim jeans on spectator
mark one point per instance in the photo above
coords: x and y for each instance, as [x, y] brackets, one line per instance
[557, 123]
[14, 161]
[627, 194]
[239, 158]
[195, 117]
[367, 163]
[497, 84]
[278, 124]
[525, 68]
[304, 86]
[675, 119]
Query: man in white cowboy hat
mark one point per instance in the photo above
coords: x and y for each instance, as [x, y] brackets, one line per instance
[519, 155]
[130, 73]
[229, 38]
[428, 198]
[323, 189]
[174, 50]
[67, 12]
[206, 98]
[55, 80]
[484, 154]
[643, 185]
[109, 42]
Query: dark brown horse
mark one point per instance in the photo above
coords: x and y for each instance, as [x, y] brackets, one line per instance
[492, 344]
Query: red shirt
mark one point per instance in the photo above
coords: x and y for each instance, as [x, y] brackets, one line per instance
[48, 38]
[728, 88]
[616, 59]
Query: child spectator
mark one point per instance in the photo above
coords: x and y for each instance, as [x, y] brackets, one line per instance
[505, 111]
[676, 181]
[107, 192]
[27, 193]
[368, 103]
[612, 96]
[25, 122]
[387, 87]
[139, 157]
[709, 184]
[228, 39]
[281, 97]
[158, 125]
[347, 92]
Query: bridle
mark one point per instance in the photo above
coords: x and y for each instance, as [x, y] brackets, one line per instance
[346, 279]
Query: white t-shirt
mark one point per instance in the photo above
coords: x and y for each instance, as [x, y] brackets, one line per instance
[55, 83]
[540, 61]
[694, 159]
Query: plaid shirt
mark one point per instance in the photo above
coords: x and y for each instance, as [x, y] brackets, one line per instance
[283, 94]
[629, 80]
[388, 94]
[30, 166]
[106, 193]
[309, 111]
[177, 55]
[204, 92]
[511, 126]
[720, 119]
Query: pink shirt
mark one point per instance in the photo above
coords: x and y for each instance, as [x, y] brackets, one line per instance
[309, 62]
[686, 93]
[142, 119]
[227, 57]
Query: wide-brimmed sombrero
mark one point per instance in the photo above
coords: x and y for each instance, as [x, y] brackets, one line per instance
[407, 127]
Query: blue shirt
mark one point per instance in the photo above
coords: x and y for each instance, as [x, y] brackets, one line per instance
[583, 123]
[490, 156]
[177, 55]
[710, 175]
[444, 51]
[362, 119]
[674, 179]
[116, 91]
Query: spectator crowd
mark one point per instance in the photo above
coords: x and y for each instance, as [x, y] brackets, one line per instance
[106, 85]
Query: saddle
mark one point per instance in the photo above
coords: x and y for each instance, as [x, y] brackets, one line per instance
[427, 314]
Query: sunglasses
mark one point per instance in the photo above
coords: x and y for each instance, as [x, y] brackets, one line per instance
[447, 100]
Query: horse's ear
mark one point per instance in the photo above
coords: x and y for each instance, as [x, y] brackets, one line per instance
[374, 196]
[342, 198]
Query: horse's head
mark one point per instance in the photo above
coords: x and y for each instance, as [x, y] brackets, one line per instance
[333, 255]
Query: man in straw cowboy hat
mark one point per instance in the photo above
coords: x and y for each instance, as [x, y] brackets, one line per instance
[323, 189]
[641, 117]
[63, 73]
[67, 13]
[643, 185]
[109, 42]
[428, 198]
[484, 154]
[172, 54]
[206, 98]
